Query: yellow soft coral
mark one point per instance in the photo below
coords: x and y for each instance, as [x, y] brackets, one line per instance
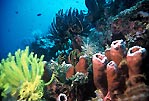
[32, 90]
[21, 75]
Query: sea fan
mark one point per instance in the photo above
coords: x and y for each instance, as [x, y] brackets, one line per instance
[21, 75]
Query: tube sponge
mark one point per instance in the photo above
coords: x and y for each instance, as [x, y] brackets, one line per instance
[20, 75]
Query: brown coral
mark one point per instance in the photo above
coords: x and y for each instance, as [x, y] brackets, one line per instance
[82, 65]
[99, 75]
[134, 59]
[113, 80]
[118, 51]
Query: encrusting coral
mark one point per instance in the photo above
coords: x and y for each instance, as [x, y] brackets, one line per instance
[21, 75]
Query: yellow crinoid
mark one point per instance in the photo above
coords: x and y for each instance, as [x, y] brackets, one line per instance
[20, 75]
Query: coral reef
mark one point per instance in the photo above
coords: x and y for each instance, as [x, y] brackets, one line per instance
[131, 24]
[64, 34]
[67, 29]
[118, 83]
[104, 51]
[101, 9]
[95, 9]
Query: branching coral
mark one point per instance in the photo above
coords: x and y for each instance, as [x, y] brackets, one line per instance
[21, 75]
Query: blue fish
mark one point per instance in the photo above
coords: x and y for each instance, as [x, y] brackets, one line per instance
[39, 14]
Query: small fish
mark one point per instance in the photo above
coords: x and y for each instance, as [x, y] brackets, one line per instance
[77, 1]
[16, 12]
[39, 14]
[8, 30]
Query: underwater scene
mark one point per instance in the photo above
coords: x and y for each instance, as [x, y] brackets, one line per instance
[74, 50]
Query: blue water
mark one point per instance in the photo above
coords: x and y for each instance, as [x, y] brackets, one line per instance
[20, 19]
